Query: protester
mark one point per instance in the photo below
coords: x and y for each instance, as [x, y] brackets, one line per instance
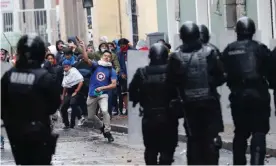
[72, 84]
[90, 48]
[85, 71]
[59, 55]
[4, 55]
[72, 43]
[122, 57]
[69, 55]
[102, 80]
[117, 47]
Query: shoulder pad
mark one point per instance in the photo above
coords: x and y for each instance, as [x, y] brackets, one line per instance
[175, 55]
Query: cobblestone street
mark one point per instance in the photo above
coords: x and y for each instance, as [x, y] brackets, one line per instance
[82, 146]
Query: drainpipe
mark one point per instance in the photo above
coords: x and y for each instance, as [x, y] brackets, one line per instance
[120, 18]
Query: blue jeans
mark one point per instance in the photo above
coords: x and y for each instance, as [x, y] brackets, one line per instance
[2, 140]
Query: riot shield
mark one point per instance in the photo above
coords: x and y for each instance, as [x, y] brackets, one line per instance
[5, 66]
[135, 59]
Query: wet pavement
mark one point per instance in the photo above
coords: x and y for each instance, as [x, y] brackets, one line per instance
[83, 146]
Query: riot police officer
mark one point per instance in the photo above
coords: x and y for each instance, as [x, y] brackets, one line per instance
[159, 125]
[195, 73]
[30, 96]
[246, 65]
[205, 37]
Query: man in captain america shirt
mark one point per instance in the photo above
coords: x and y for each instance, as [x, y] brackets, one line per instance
[103, 79]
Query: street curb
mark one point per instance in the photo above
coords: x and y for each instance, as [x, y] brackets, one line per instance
[181, 137]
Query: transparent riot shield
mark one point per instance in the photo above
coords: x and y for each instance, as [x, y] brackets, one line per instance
[135, 59]
[5, 66]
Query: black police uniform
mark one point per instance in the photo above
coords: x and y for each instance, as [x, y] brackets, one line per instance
[159, 125]
[246, 65]
[195, 72]
[205, 38]
[31, 96]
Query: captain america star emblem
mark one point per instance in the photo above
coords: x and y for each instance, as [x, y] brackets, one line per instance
[100, 76]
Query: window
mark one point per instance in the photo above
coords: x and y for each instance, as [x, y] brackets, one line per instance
[134, 22]
[39, 4]
[230, 13]
[8, 22]
[234, 9]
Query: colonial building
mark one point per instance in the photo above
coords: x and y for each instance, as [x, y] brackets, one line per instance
[20, 17]
[220, 16]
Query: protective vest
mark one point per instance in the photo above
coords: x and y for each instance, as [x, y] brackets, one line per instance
[27, 94]
[243, 64]
[152, 90]
[196, 86]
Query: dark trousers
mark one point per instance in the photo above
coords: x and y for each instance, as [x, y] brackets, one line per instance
[251, 118]
[30, 152]
[160, 135]
[74, 102]
[83, 105]
[119, 105]
[203, 122]
[111, 95]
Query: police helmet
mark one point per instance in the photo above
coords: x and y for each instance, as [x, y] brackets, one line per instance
[245, 27]
[158, 54]
[30, 49]
[189, 32]
[204, 34]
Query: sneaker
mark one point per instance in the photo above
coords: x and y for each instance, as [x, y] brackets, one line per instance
[81, 121]
[124, 112]
[109, 136]
[115, 113]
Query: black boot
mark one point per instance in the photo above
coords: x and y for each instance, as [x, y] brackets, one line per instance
[109, 136]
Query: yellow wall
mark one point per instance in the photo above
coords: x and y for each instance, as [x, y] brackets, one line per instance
[107, 19]
[147, 17]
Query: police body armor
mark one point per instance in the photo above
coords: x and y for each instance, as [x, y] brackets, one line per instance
[152, 97]
[29, 116]
[243, 66]
[195, 64]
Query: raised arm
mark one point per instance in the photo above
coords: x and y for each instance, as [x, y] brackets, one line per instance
[84, 54]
